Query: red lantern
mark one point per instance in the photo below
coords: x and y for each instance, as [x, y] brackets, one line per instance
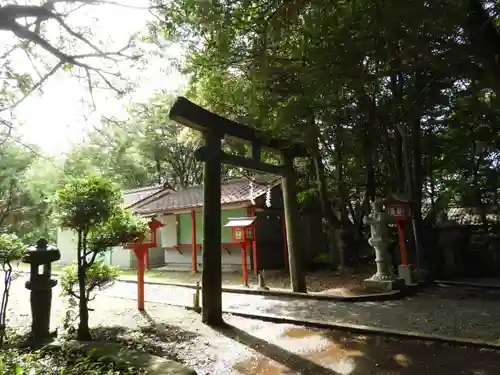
[243, 228]
[141, 251]
[154, 225]
[400, 209]
[243, 231]
[237, 234]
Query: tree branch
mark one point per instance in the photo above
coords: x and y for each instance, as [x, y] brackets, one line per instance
[105, 2]
[9, 16]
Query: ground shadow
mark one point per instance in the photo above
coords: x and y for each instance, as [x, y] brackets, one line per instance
[458, 293]
[384, 355]
[166, 332]
[153, 338]
[293, 361]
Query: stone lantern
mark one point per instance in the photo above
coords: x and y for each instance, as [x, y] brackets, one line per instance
[40, 285]
[384, 279]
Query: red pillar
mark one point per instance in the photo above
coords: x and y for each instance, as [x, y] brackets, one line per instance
[147, 258]
[402, 243]
[254, 243]
[285, 243]
[244, 262]
[140, 253]
[193, 241]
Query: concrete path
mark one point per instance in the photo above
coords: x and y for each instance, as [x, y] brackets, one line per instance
[455, 312]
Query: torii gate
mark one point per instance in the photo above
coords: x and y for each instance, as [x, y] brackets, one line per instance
[214, 129]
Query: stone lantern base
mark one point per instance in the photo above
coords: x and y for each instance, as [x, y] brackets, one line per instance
[384, 284]
[406, 273]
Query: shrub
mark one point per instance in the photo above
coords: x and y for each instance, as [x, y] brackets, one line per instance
[99, 276]
[11, 249]
[92, 207]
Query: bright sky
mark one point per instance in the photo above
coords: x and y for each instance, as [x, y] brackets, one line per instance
[57, 118]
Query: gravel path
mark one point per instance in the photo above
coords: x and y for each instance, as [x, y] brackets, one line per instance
[449, 311]
[252, 347]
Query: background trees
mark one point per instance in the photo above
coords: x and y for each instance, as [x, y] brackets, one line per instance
[386, 96]
[389, 99]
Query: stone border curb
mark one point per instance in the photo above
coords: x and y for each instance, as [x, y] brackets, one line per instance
[467, 284]
[397, 294]
[347, 327]
[386, 296]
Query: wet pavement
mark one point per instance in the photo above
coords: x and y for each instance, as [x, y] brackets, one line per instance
[449, 311]
[285, 349]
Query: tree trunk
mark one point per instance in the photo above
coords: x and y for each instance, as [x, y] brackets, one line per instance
[83, 332]
[295, 245]
[332, 221]
[485, 39]
[370, 182]
[399, 183]
[399, 174]
[432, 183]
[416, 190]
[477, 198]
[158, 169]
[340, 176]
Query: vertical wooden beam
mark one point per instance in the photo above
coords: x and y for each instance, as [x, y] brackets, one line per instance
[177, 229]
[285, 242]
[251, 212]
[140, 253]
[402, 243]
[295, 251]
[193, 241]
[211, 274]
[244, 266]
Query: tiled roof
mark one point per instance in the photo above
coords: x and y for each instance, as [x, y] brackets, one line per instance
[233, 191]
[135, 195]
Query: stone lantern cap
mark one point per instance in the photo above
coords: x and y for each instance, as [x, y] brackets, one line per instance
[40, 254]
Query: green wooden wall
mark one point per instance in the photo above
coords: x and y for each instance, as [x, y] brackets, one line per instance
[185, 225]
[185, 228]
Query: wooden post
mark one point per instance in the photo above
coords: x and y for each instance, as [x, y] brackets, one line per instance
[285, 244]
[146, 253]
[140, 254]
[211, 293]
[402, 243]
[244, 266]
[254, 244]
[295, 251]
[193, 241]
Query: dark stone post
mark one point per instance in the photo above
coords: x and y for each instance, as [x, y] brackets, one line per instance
[211, 277]
[40, 284]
